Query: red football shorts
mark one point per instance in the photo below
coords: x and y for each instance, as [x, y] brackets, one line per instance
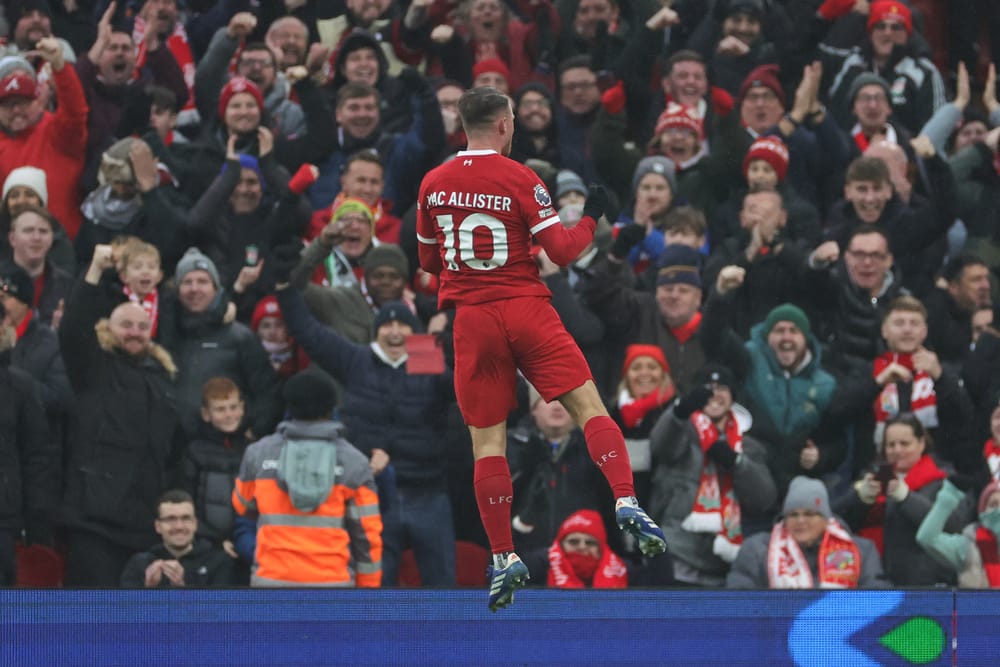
[493, 340]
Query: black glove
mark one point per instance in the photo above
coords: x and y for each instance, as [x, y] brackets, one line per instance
[628, 237]
[597, 201]
[722, 454]
[693, 400]
[412, 81]
[284, 259]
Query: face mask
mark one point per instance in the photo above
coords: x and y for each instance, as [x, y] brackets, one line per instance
[450, 120]
[583, 565]
[991, 520]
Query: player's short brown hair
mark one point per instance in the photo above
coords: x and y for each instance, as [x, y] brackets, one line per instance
[479, 107]
[218, 389]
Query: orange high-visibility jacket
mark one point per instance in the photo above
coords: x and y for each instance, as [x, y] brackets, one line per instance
[337, 544]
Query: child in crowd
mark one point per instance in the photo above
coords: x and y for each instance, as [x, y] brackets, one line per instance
[212, 460]
[141, 274]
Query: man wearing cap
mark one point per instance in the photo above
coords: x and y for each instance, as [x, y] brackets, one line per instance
[52, 141]
[125, 431]
[393, 416]
[709, 473]
[313, 497]
[669, 318]
[257, 63]
[789, 394]
[808, 548]
[206, 346]
[35, 346]
[914, 85]
[31, 20]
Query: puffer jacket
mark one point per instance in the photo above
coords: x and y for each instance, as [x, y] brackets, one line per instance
[122, 440]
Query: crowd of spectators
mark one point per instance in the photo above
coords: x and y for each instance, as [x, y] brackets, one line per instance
[790, 311]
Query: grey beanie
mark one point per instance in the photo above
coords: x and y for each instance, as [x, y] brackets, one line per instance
[656, 164]
[868, 79]
[195, 260]
[805, 493]
[568, 181]
[11, 64]
[386, 254]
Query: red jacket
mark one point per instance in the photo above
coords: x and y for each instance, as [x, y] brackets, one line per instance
[56, 145]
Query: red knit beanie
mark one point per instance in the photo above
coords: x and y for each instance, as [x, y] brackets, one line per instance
[633, 352]
[584, 521]
[678, 115]
[491, 65]
[883, 9]
[766, 76]
[266, 307]
[239, 84]
[771, 150]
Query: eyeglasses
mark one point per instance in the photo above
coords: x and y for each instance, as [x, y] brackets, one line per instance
[174, 518]
[254, 63]
[868, 256]
[894, 26]
[579, 87]
[871, 98]
[582, 542]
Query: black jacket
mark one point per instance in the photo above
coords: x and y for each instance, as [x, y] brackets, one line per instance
[29, 459]
[208, 472]
[123, 433]
[37, 354]
[205, 566]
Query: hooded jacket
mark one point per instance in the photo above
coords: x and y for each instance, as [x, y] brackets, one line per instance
[122, 441]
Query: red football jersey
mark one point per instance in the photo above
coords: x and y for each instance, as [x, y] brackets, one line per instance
[481, 210]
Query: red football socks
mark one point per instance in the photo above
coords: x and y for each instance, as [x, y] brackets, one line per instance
[494, 494]
[606, 445]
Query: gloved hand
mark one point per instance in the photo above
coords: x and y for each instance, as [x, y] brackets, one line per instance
[412, 81]
[284, 259]
[597, 201]
[691, 401]
[628, 237]
[722, 454]
[613, 98]
[834, 9]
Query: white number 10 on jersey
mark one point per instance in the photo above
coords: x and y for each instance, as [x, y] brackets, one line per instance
[458, 242]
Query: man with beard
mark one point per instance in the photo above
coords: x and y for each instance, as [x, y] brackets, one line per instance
[534, 116]
[32, 21]
[915, 87]
[504, 321]
[256, 62]
[109, 80]
[53, 142]
[122, 443]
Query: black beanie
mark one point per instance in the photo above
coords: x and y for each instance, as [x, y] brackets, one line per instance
[310, 395]
[16, 282]
[396, 311]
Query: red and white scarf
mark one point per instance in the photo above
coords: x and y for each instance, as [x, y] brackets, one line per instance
[986, 541]
[150, 303]
[610, 573]
[179, 48]
[839, 560]
[991, 452]
[716, 509]
[634, 410]
[923, 399]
